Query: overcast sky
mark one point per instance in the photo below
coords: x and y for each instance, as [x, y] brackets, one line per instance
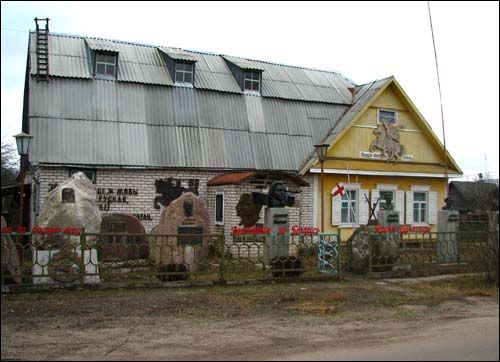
[362, 41]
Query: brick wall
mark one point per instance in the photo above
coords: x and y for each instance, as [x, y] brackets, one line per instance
[144, 182]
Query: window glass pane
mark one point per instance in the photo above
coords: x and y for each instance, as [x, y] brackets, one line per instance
[255, 86]
[110, 59]
[422, 215]
[100, 68]
[188, 67]
[344, 218]
[110, 70]
[188, 77]
[179, 77]
[387, 116]
[219, 202]
[100, 57]
[419, 196]
[248, 85]
[179, 66]
[415, 216]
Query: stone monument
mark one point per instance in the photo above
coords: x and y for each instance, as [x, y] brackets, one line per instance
[116, 247]
[10, 257]
[71, 204]
[386, 246]
[276, 217]
[188, 218]
[59, 258]
[447, 248]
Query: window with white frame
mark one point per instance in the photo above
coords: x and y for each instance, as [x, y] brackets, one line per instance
[184, 72]
[398, 199]
[349, 209]
[420, 207]
[386, 115]
[251, 81]
[219, 208]
[105, 65]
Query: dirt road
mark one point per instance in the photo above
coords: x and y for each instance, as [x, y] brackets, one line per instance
[471, 339]
[283, 321]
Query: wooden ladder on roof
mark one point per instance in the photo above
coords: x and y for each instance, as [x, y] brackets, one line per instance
[42, 50]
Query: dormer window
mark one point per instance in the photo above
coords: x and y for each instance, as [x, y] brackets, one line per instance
[105, 65]
[386, 115]
[251, 81]
[184, 72]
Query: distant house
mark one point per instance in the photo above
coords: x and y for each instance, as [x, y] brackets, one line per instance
[148, 122]
[472, 198]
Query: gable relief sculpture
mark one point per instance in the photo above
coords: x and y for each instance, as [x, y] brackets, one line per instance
[387, 141]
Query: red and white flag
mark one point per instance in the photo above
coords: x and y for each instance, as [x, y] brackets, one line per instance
[339, 189]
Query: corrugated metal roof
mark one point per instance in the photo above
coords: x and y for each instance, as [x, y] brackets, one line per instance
[178, 54]
[100, 44]
[69, 57]
[151, 125]
[143, 119]
[244, 63]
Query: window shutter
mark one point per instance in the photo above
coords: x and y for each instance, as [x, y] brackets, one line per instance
[409, 207]
[432, 207]
[400, 205]
[375, 197]
[364, 211]
[336, 210]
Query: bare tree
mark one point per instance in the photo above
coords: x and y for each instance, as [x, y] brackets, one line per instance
[10, 163]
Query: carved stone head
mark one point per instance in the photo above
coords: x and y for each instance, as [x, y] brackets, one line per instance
[188, 208]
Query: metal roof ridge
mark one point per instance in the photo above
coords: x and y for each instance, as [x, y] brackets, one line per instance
[197, 52]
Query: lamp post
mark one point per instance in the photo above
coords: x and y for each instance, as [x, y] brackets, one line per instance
[23, 142]
[321, 150]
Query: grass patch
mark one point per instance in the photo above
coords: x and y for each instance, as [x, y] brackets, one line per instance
[391, 300]
[467, 285]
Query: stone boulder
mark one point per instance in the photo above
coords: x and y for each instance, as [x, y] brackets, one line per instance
[359, 251]
[10, 257]
[115, 247]
[71, 204]
[187, 211]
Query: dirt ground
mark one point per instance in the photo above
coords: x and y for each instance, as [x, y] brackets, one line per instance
[253, 322]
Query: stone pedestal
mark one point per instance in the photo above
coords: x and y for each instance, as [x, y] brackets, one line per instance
[386, 247]
[276, 245]
[447, 247]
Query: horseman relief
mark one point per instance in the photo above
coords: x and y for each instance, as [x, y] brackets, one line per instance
[387, 141]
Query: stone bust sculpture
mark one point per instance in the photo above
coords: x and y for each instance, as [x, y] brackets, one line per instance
[388, 201]
[448, 202]
[188, 208]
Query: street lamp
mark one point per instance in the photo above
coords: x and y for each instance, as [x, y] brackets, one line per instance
[321, 150]
[23, 142]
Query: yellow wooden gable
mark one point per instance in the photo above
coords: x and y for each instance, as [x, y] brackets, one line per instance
[350, 145]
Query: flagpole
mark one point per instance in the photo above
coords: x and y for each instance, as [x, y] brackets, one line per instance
[350, 211]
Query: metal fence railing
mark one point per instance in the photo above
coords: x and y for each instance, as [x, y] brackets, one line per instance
[75, 257]
[468, 250]
[68, 257]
